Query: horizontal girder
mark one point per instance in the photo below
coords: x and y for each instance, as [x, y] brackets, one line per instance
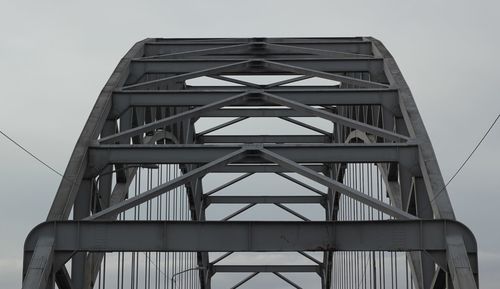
[124, 99]
[155, 48]
[265, 199]
[265, 268]
[264, 139]
[179, 66]
[101, 155]
[249, 236]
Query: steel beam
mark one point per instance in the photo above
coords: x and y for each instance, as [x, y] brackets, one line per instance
[227, 184]
[337, 186]
[285, 81]
[324, 73]
[459, 263]
[433, 179]
[256, 112]
[161, 124]
[232, 215]
[39, 269]
[193, 70]
[198, 52]
[156, 48]
[250, 236]
[301, 183]
[264, 199]
[262, 168]
[221, 126]
[292, 212]
[207, 139]
[308, 126]
[66, 193]
[236, 81]
[172, 184]
[265, 268]
[258, 47]
[124, 99]
[293, 284]
[244, 280]
[290, 48]
[183, 66]
[335, 118]
[102, 155]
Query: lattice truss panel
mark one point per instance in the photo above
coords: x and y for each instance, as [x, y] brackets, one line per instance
[276, 162]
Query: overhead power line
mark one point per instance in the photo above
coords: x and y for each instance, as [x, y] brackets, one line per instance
[437, 195]
[468, 158]
[57, 172]
[31, 154]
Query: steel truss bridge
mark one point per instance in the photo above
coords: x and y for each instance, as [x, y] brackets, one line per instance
[134, 209]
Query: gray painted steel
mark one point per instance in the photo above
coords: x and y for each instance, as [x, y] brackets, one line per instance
[145, 117]
[253, 236]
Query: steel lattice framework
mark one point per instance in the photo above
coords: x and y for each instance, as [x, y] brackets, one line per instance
[132, 198]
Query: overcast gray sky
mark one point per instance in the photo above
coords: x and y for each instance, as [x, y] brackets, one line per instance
[55, 56]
